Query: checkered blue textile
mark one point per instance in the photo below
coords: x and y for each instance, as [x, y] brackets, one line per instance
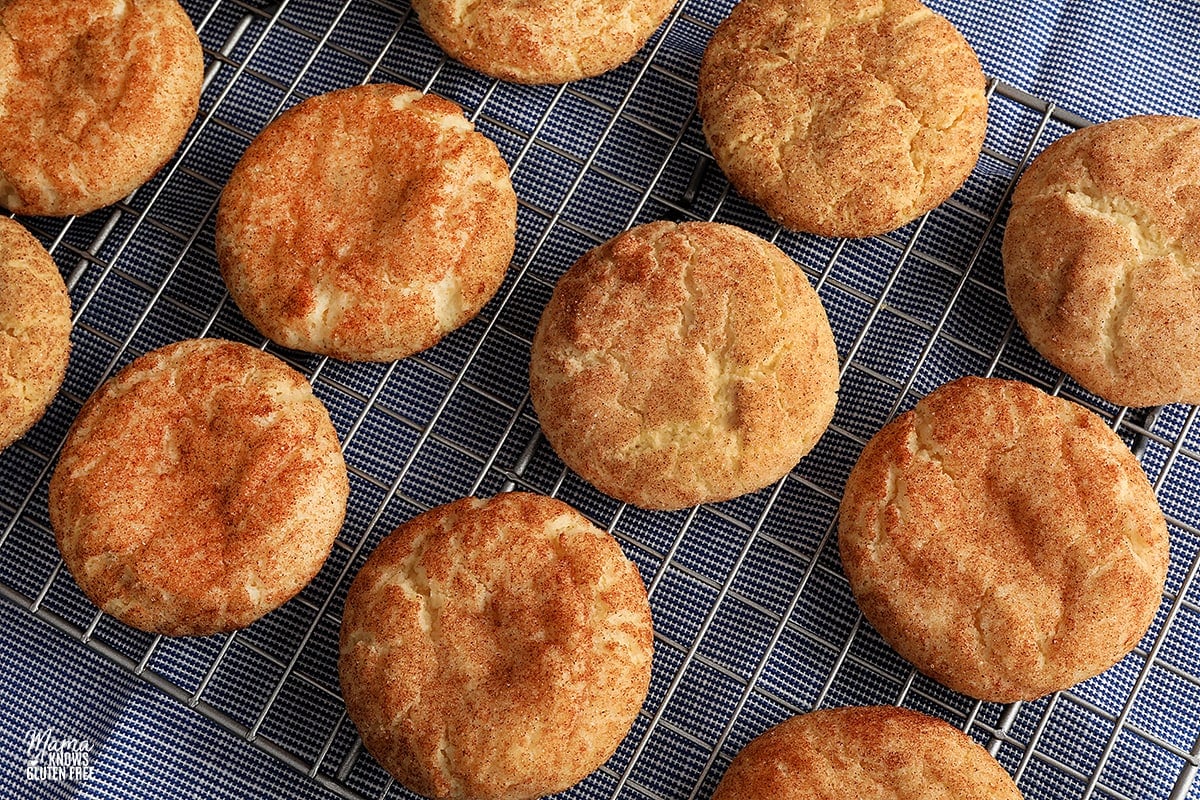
[754, 619]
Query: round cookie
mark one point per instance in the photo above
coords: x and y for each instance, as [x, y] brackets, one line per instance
[842, 117]
[1102, 258]
[366, 223]
[198, 489]
[495, 650]
[542, 41]
[1004, 541]
[683, 364]
[95, 97]
[35, 331]
[872, 753]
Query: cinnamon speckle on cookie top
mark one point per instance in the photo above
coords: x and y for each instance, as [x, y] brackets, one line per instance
[35, 330]
[495, 649]
[541, 41]
[842, 117]
[366, 224]
[683, 364]
[198, 489]
[1102, 258]
[95, 96]
[1004, 541]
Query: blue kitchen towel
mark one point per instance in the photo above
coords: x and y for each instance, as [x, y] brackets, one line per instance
[753, 618]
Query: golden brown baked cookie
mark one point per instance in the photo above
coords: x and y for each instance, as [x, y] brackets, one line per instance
[1004, 541]
[1102, 258]
[198, 489]
[842, 117]
[683, 364]
[495, 650]
[871, 753]
[366, 223]
[35, 331]
[541, 41]
[95, 96]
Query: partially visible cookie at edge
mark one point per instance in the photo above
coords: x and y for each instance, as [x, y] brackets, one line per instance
[97, 96]
[873, 752]
[366, 224]
[199, 488]
[495, 649]
[842, 118]
[542, 41]
[1102, 258]
[1004, 541]
[35, 331]
[683, 364]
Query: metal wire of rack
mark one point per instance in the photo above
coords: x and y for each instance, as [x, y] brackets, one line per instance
[754, 620]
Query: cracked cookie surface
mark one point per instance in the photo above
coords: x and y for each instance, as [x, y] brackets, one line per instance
[198, 489]
[870, 753]
[842, 117]
[1102, 258]
[495, 650]
[683, 364]
[1004, 541]
[95, 96]
[366, 224]
[35, 331]
[541, 41]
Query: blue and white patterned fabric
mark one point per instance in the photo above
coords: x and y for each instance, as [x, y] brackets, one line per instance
[754, 619]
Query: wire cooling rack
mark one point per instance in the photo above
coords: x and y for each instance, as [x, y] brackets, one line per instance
[754, 619]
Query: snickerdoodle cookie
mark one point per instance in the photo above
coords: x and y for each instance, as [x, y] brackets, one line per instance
[1004, 541]
[683, 364]
[541, 41]
[871, 753]
[35, 331]
[842, 117]
[366, 223]
[198, 489]
[95, 96]
[1102, 258]
[495, 650]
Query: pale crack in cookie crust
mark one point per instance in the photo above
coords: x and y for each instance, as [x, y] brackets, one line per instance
[198, 489]
[366, 224]
[1005, 542]
[842, 117]
[35, 331]
[495, 650]
[681, 364]
[95, 96]
[1101, 256]
[541, 41]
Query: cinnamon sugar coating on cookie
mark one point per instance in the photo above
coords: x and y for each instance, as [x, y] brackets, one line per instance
[95, 96]
[35, 331]
[366, 223]
[495, 650]
[842, 117]
[198, 489]
[542, 41]
[1102, 258]
[683, 364]
[1004, 541]
[870, 753]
